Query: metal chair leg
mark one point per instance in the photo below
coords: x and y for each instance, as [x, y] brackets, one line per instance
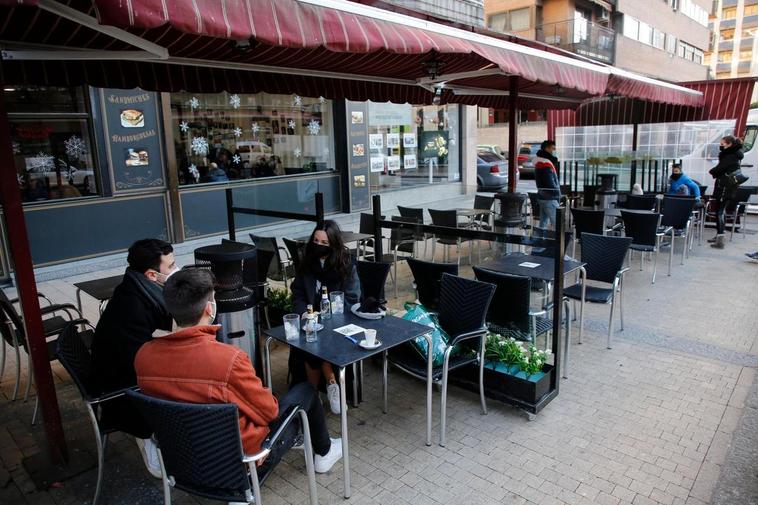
[655, 259]
[100, 442]
[2, 360]
[482, 399]
[443, 399]
[29, 376]
[309, 467]
[36, 409]
[167, 483]
[671, 251]
[610, 320]
[567, 338]
[355, 384]
[385, 385]
[621, 303]
[18, 363]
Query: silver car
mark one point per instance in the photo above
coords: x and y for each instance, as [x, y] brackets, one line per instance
[491, 171]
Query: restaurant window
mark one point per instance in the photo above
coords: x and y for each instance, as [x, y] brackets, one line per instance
[412, 146]
[221, 137]
[51, 142]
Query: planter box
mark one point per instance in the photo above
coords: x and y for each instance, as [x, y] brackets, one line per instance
[531, 394]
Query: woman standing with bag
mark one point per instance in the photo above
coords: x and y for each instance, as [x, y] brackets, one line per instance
[728, 178]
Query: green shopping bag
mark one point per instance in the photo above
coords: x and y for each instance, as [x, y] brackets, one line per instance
[418, 314]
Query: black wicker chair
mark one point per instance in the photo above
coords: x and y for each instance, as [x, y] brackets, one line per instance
[280, 269]
[373, 276]
[427, 277]
[676, 220]
[463, 308]
[641, 202]
[586, 221]
[483, 202]
[447, 219]
[415, 215]
[74, 354]
[604, 262]
[200, 449]
[645, 230]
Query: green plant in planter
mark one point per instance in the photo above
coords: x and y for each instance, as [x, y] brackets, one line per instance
[280, 299]
[507, 351]
[533, 363]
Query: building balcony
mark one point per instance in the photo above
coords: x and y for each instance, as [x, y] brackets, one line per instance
[580, 37]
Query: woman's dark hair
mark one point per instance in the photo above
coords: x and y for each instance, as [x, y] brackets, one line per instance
[339, 257]
[732, 140]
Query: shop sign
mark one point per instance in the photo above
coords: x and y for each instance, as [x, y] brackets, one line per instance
[389, 114]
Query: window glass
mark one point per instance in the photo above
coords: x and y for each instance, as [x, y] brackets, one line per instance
[749, 33]
[746, 55]
[520, 19]
[727, 34]
[725, 56]
[680, 49]
[631, 27]
[490, 157]
[670, 43]
[412, 146]
[729, 13]
[750, 134]
[751, 10]
[646, 33]
[221, 137]
[44, 100]
[498, 22]
[53, 158]
[658, 38]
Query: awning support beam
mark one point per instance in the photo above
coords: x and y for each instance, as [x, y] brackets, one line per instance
[461, 75]
[513, 134]
[84, 55]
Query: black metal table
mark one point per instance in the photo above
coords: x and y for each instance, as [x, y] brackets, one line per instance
[99, 289]
[545, 271]
[347, 237]
[342, 352]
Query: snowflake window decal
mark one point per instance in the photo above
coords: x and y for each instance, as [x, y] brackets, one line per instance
[237, 131]
[194, 172]
[184, 126]
[194, 103]
[200, 145]
[297, 101]
[255, 128]
[297, 152]
[291, 124]
[236, 159]
[314, 127]
[74, 147]
[321, 99]
[235, 101]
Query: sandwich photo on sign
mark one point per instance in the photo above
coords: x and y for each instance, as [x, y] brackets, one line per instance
[132, 118]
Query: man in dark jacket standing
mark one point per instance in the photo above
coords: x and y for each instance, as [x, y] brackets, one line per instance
[725, 192]
[134, 312]
[548, 185]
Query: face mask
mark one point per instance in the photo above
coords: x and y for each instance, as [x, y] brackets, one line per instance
[676, 176]
[721, 148]
[321, 250]
[162, 278]
[213, 314]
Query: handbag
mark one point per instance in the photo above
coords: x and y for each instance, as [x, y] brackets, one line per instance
[736, 178]
[419, 314]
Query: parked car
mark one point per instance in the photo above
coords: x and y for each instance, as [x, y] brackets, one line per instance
[493, 149]
[526, 155]
[491, 171]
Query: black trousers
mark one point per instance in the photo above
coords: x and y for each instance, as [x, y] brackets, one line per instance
[121, 414]
[724, 205]
[306, 397]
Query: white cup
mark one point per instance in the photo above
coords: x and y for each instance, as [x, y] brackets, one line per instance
[370, 337]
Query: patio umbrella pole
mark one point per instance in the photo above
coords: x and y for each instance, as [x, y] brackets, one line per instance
[512, 133]
[18, 241]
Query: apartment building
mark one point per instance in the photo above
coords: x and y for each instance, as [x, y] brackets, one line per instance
[664, 39]
[734, 46]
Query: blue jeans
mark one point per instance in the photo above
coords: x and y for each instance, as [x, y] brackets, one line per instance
[547, 212]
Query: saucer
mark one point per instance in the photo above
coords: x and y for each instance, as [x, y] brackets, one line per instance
[319, 327]
[363, 344]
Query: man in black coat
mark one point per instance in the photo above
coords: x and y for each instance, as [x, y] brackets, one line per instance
[134, 312]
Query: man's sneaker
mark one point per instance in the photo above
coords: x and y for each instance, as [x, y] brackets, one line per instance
[325, 463]
[333, 394]
[150, 456]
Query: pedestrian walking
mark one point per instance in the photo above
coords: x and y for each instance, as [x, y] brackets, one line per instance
[728, 177]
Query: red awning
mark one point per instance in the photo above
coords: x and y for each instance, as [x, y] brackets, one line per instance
[334, 44]
[723, 99]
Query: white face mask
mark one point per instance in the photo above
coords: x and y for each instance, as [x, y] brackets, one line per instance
[162, 278]
[213, 315]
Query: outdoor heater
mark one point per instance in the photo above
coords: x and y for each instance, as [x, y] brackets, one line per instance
[237, 292]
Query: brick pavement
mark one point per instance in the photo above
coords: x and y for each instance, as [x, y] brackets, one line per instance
[648, 422]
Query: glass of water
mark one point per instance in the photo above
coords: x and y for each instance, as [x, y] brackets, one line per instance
[292, 326]
[337, 298]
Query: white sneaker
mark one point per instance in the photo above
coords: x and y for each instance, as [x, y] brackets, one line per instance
[333, 394]
[149, 453]
[325, 463]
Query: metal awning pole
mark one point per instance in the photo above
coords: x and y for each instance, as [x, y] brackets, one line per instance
[512, 134]
[18, 241]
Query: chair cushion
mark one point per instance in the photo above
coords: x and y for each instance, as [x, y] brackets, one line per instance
[542, 325]
[592, 294]
[642, 247]
[406, 358]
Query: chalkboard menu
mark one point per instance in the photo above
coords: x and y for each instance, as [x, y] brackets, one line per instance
[133, 139]
[358, 154]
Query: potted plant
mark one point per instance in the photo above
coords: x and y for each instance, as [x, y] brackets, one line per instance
[514, 371]
[279, 304]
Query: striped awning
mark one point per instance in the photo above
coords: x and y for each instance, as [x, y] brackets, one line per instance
[347, 49]
[723, 99]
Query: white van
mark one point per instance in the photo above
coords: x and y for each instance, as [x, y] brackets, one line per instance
[750, 162]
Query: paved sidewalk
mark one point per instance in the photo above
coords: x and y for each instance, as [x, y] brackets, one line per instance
[655, 420]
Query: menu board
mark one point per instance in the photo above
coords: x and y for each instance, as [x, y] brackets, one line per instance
[358, 154]
[133, 139]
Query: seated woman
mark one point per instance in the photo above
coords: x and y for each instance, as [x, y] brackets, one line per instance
[326, 262]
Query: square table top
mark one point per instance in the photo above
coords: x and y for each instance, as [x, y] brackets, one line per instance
[511, 264]
[339, 350]
[100, 289]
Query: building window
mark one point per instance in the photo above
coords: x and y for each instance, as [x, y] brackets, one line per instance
[746, 55]
[727, 35]
[221, 137]
[723, 75]
[751, 10]
[728, 13]
[725, 57]
[52, 144]
[749, 33]
[511, 21]
[412, 146]
[670, 43]
[693, 11]
[631, 27]
[646, 33]
[659, 38]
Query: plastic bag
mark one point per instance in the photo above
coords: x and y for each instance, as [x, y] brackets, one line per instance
[418, 314]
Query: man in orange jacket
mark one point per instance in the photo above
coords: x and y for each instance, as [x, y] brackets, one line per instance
[190, 365]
